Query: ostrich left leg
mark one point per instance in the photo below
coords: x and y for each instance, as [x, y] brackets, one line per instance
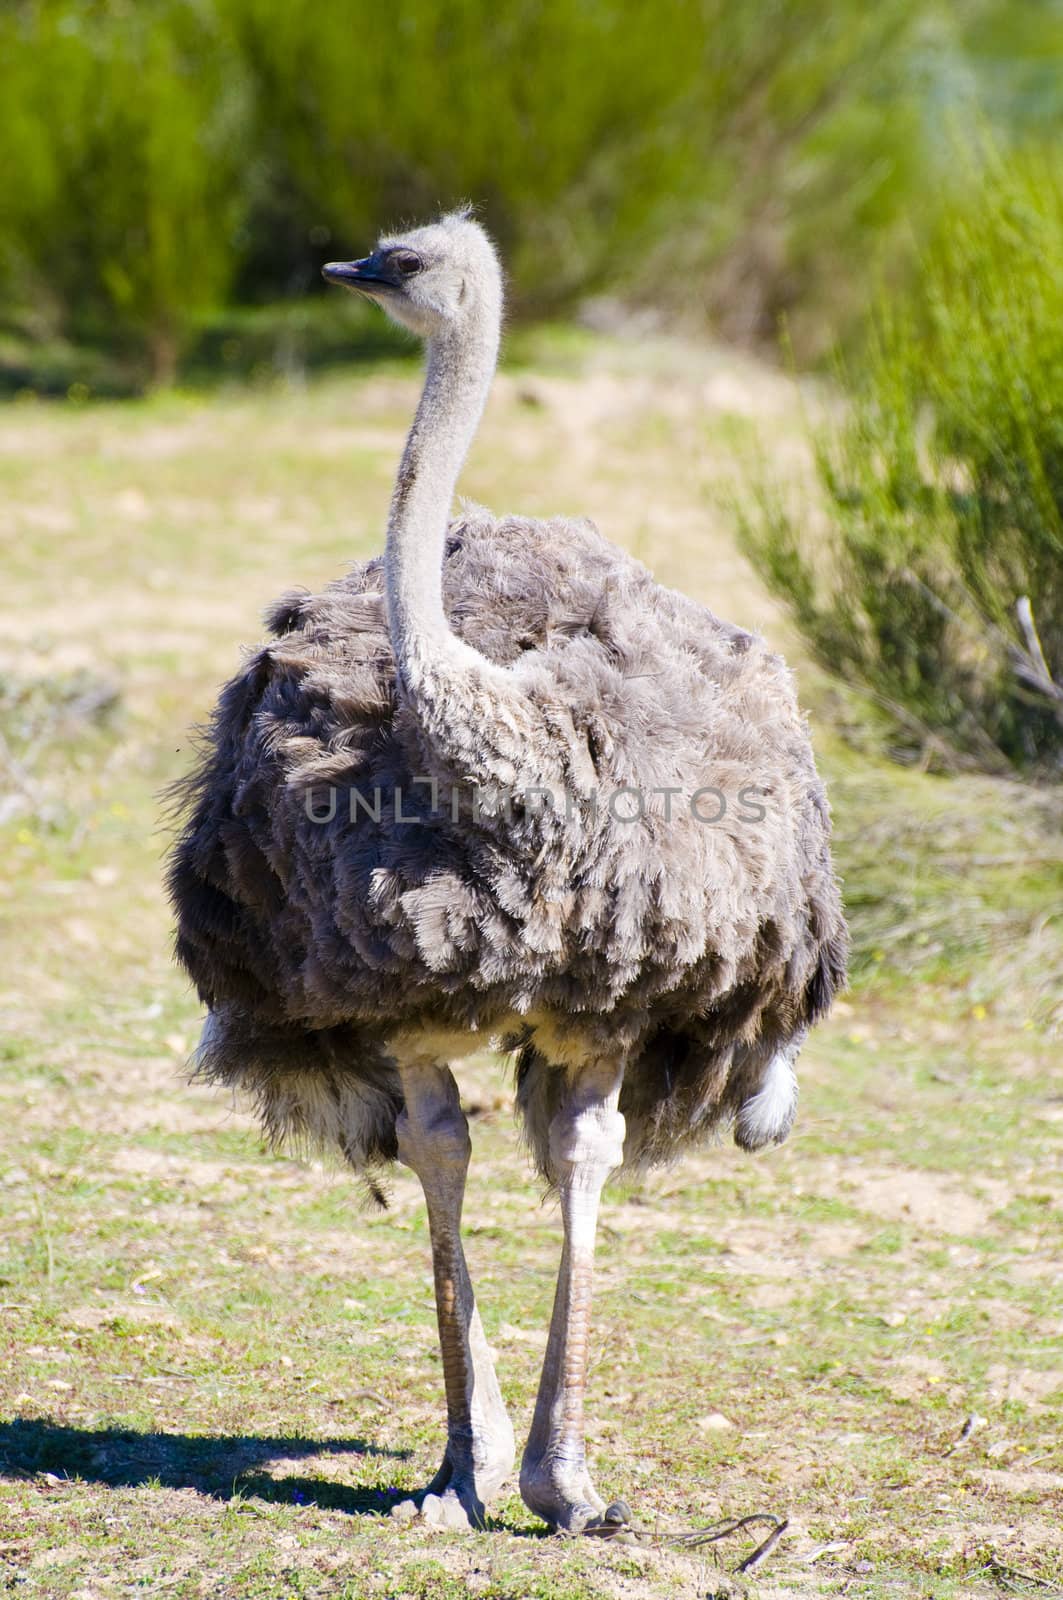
[433, 1139]
[586, 1145]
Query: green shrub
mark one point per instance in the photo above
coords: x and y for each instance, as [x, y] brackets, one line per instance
[672, 152]
[940, 587]
[164, 158]
[124, 133]
[162, 155]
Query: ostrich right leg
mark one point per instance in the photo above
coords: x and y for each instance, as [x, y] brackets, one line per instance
[586, 1145]
[433, 1140]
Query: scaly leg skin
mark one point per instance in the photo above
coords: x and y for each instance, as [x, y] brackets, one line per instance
[586, 1145]
[433, 1140]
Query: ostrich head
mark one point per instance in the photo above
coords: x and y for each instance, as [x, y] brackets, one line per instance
[433, 280]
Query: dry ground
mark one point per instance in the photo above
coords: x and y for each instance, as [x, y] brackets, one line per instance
[218, 1374]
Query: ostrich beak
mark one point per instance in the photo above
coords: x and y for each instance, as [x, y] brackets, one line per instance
[364, 274]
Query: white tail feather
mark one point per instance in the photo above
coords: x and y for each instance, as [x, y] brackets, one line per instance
[768, 1116]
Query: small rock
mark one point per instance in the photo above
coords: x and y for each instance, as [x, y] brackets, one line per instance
[405, 1511]
[715, 1422]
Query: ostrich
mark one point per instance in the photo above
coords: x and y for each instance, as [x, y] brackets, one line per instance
[500, 785]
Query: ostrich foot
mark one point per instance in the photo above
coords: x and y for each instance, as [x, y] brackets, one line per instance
[458, 1508]
[564, 1496]
[477, 1473]
[434, 1511]
[458, 1494]
[457, 1505]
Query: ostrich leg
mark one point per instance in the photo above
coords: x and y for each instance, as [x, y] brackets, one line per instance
[586, 1145]
[433, 1140]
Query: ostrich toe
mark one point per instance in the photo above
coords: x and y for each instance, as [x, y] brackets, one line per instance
[457, 1508]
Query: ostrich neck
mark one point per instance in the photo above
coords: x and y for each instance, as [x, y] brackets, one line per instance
[459, 373]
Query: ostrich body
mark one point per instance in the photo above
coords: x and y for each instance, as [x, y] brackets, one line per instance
[501, 785]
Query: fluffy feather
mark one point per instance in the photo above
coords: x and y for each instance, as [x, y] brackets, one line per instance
[702, 949]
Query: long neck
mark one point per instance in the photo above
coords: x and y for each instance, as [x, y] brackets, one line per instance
[460, 369]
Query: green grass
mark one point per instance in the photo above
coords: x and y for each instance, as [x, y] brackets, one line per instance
[218, 1374]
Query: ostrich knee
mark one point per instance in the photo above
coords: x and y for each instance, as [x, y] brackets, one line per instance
[586, 1146]
[432, 1133]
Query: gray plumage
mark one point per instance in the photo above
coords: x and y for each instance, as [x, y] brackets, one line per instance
[698, 950]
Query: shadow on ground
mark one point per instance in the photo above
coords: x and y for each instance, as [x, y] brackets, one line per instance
[226, 1467]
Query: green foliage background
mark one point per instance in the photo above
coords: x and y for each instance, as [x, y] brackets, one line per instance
[164, 158]
[938, 584]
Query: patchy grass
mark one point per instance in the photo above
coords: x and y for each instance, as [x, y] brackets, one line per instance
[218, 1374]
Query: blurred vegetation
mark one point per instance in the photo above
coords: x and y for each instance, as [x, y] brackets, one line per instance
[126, 134]
[940, 584]
[168, 160]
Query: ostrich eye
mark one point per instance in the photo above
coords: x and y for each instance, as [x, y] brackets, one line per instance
[408, 262]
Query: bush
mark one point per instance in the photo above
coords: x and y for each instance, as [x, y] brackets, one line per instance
[125, 135]
[941, 586]
[163, 158]
[670, 152]
[160, 156]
